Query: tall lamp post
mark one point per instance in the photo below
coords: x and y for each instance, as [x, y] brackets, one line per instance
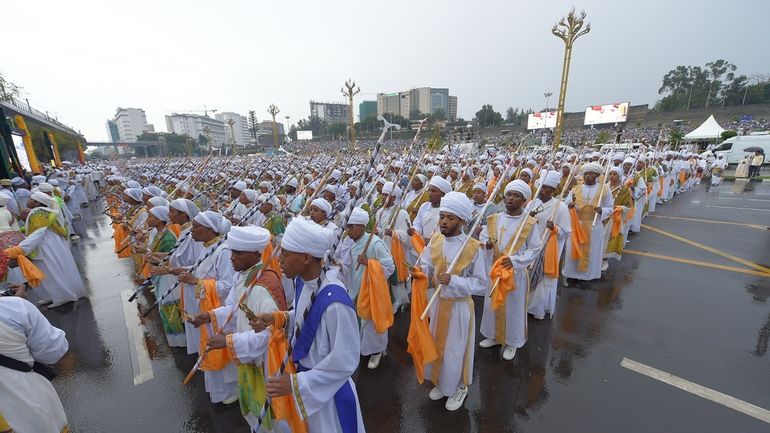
[547, 96]
[273, 110]
[350, 90]
[568, 29]
[286, 132]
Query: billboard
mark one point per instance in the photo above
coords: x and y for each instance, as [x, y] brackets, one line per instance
[21, 152]
[304, 135]
[611, 113]
[545, 119]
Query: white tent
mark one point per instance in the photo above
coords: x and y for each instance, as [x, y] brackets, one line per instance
[708, 129]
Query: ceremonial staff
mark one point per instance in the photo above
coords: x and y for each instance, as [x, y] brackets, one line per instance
[473, 229]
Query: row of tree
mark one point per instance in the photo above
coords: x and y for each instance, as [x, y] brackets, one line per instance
[715, 83]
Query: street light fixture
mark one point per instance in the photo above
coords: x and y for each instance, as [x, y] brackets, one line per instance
[547, 95]
[568, 29]
[350, 90]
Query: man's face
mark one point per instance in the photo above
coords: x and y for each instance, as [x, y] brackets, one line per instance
[355, 231]
[639, 166]
[616, 162]
[614, 178]
[513, 201]
[564, 172]
[201, 233]
[329, 196]
[378, 187]
[479, 196]
[449, 224]
[416, 184]
[243, 260]
[234, 192]
[627, 167]
[290, 189]
[390, 201]
[243, 199]
[293, 263]
[265, 208]
[177, 217]
[152, 221]
[435, 195]
[546, 192]
[589, 178]
[316, 214]
[525, 177]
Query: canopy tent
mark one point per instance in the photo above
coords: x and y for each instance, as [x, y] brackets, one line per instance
[708, 129]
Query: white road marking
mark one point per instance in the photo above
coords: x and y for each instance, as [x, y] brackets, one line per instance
[739, 208]
[701, 391]
[140, 358]
[743, 199]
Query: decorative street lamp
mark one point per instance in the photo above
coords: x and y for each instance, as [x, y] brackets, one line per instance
[350, 90]
[568, 29]
[273, 110]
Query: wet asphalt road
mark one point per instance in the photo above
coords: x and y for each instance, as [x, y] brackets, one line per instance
[709, 326]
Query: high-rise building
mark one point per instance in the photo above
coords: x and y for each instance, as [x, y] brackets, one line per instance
[112, 131]
[366, 108]
[425, 100]
[452, 114]
[195, 125]
[131, 123]
[330, 112]
[265, 132]
[239, 133]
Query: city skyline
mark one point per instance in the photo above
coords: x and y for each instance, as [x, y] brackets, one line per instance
[501, 54]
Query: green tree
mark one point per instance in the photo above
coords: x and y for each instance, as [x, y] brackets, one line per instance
[415, 114]
[8, 90]
[293, 133]
[487, 116]
[728, 134]
[337, 130]
[438, 116]
[603, 136]
[434, 142]
[253, 124]
[511, 114]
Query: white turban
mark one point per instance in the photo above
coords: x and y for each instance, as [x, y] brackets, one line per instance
[250, 194]
[617, 170]
[134, 193]
[480, 186]
[392, 189]
[332, 189]
[322, 204]
[213, 220]
[618, 157]
[552, 179]
[158, 201]
[629, 160]
[519, 186]
[186, 206]
[239, 185]
[336, 174]
[265, 184]
[359, 216]
[45, 187]
[423, 179]
[457, 204]
[249, 238]
[441, 183]
[42, 198]
[592, 167]
[153, 191]
[160, 212]
[305, 236]
[292, 182]
[4, 199]
[54, 182]
[529, 172]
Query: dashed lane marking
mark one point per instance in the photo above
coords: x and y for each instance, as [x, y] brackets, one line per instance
[697, 263]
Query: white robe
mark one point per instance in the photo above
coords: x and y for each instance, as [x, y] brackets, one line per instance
[516, 300]
[543, 298]
[596, 248]
[220, 384]
[640, 199]
[401, 225]
[426, 221]
[62, 280]
[371, 341]
[332, 359]
[28, 401]
[461, 335]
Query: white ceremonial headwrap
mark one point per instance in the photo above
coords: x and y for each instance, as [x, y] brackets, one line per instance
[592, 167]
[423, 179]
[441, 183]
[54, 182]
[332, 189]
[519, 186]
[336, 174]
[305, 236]
[457, 204]
[617, 170]
[552, 179]
[42, 198]
[264, 184]
[529, 172]
[185, 205]
[392, 189]
[248, 238]
[134, 193]
[239, 185]
[292, 182]
[618, 157]
[322, 204]
[629, 160]
[45, 187]
[480, 186]
[153, 191]
[160, 212]
[158, 201]
[359, 216]
[250, 194]
[213, 220]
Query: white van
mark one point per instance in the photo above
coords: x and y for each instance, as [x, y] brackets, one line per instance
[732, 148]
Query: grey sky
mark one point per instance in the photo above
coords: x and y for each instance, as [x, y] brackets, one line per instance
[82, 59]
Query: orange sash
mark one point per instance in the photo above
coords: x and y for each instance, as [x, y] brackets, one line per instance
[217, 359]
[374, 301]
[283, 407]
[31, 272]
[268, 260]
[399, 257]
[418, 243]
[506, 285]
[551, 262]
[419, 340]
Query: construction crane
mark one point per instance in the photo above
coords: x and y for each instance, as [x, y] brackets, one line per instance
[205, 111]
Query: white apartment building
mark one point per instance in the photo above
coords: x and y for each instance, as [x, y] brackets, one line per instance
[131, 123]
[240, 128]
[195, 125]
